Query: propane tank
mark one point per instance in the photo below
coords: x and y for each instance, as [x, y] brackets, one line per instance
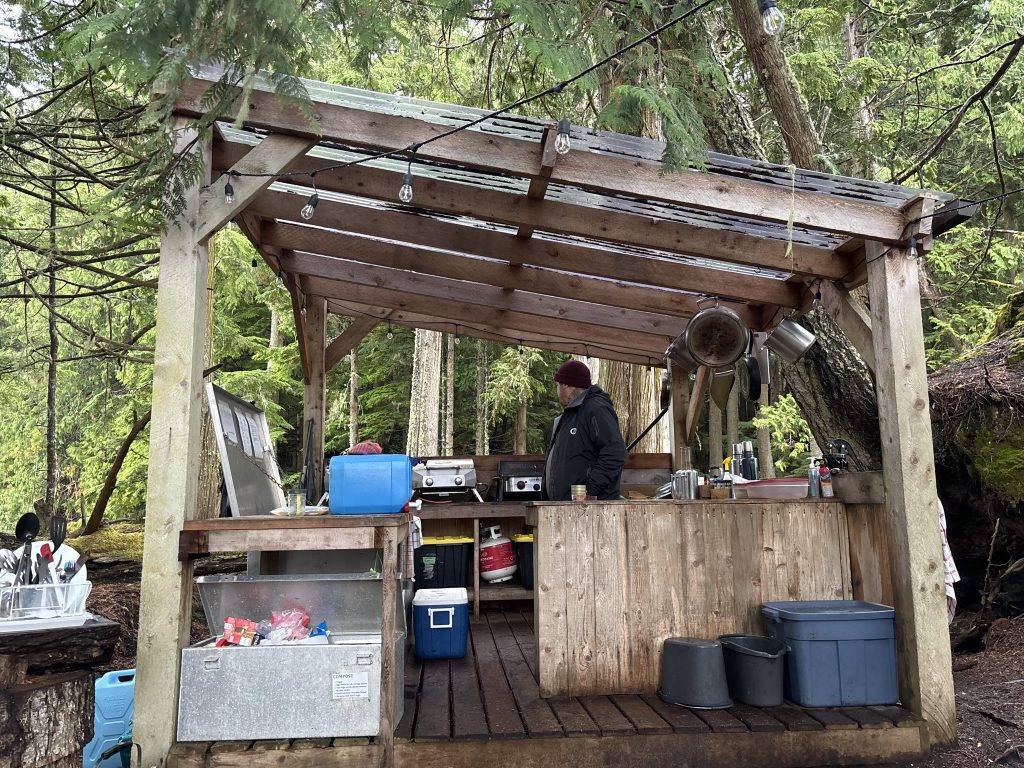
[497, 558]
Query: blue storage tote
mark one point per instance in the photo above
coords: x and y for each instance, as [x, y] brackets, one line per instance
[374, 484]
[440, 623]
[842, 652]
[115, 704]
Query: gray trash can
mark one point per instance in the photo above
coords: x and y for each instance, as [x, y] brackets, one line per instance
[693, 674]
[754, 667]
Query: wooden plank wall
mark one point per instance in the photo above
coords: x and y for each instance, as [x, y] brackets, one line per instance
[870, 558]
[614, 581]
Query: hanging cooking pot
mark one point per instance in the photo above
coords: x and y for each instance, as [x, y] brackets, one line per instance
[715, 336]
[679, 357]
[790, 340]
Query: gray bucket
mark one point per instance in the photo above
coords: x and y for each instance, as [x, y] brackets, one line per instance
[753, 667]
[693, 673]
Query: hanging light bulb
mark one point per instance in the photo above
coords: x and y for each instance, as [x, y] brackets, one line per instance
[303, 310]
[562, 142]
[229, 192]
[310, 206]
[772, 17]
[912, 248]
[405, 193]
[390, 335]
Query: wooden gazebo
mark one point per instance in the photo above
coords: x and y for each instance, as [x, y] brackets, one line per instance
[595, 252]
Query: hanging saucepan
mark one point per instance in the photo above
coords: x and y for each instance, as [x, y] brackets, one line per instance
[715, 336]
[679, 357]
[790, 340]
[753, 373]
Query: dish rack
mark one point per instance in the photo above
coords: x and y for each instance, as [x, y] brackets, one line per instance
[31, 602]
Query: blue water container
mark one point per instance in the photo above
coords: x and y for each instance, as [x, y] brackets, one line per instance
[115, 704]
[842, 652]
[377, 484]
[440, 622]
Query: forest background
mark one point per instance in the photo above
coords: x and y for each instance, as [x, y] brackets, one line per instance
[922, 92]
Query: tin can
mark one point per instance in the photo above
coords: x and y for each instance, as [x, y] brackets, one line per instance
[578, 492]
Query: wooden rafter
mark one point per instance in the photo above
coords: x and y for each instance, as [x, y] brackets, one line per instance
[594, 172]
[436, 233]
[549, 215]
[472, 311]
[489, 272]
[481, 329]
[441, 289]
[348, 340]
[539, 183]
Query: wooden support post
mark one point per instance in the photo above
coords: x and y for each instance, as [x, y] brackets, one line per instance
[166, 600]
[389, 587]
[700, 386]
[922, 638]
[314, 331]
[682, 455]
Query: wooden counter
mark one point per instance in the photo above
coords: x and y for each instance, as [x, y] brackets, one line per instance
[614, 579]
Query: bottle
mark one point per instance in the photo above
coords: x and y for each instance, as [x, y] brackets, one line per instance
[813, 480]
[825, 479]
[748, 469]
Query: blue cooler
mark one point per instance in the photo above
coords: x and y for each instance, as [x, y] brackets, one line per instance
[842, 652]
[376, 484]
[115, 703]
[440, 622]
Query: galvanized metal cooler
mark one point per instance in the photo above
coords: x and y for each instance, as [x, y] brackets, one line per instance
[290, 691]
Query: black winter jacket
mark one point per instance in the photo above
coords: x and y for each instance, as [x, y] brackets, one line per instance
[586, 447]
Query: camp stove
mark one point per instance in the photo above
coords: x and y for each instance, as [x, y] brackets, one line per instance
[521, 480]
[444, 479]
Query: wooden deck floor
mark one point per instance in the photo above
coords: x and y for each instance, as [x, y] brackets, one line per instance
[492, 694]
[486, 709]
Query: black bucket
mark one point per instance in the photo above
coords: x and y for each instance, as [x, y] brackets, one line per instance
[692, 673]
[753, 667]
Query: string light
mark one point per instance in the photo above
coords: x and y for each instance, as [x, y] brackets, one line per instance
[817, 295]
[562, 142]
[229, 191]
[405, 193]
[457, 337]
[772, 17]
[254, 264]
[302, 311]
[390, 334]
[310, 207]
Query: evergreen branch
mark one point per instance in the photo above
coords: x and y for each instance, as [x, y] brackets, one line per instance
[950, 129]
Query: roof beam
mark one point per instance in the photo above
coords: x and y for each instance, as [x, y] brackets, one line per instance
[441, 290]
[348, 340]
[539, 183]
[452, 198]
[500, 334]
[437, 233]
[490, 272]
[593, 171]
[271, 156]
[475, 314]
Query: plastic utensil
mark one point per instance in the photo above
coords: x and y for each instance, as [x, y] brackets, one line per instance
[58, 530]
[26, 531]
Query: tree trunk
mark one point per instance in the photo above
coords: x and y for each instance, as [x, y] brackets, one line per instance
[110, 481]
[448, 449]
[715, 454]
[47, 509]
[482, 416]
[635, 391]
[779, 86]
[353, 398]
[765, 464]
[519, 440]
[425, 396]
[208, 492]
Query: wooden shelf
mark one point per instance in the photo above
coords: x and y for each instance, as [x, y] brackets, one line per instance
[471, 510]
[493, 592]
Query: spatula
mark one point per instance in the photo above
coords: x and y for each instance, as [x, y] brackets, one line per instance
[58, 531]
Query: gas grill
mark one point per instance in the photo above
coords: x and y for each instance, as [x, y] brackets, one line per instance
[445, 479]
[521, 480]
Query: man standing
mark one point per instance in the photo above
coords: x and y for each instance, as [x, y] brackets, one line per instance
[586, 444]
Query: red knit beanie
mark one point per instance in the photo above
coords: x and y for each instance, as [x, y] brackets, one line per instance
[573, 373]
[364, 448]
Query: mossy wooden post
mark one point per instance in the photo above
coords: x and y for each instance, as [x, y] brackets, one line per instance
[166, 601]
[313, 325]
[922, 638]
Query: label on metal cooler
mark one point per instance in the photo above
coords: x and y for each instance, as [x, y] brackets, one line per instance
[350, 685]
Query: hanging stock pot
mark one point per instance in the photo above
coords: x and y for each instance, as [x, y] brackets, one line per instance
[715, 336]
[790, 340]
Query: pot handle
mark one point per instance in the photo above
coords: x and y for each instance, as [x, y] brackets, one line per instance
[705, 299]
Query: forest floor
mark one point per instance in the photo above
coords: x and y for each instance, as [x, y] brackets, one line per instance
[989, 683]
